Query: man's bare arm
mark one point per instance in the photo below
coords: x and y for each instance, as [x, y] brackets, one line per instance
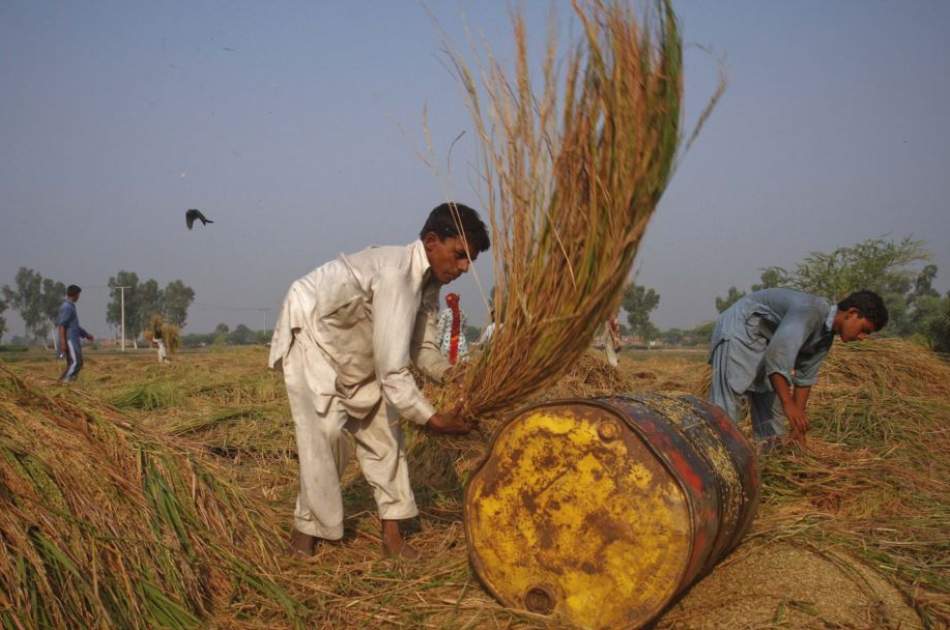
[801, 395]
[795, 414]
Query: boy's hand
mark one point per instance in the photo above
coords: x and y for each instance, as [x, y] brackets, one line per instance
[799, 421]
[448, 424]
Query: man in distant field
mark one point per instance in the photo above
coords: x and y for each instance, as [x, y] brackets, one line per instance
[345, 338]
[612, 340]
[70, 334]
[769, 345]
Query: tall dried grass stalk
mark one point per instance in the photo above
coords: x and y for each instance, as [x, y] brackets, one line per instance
[573, 173]
[105, 524]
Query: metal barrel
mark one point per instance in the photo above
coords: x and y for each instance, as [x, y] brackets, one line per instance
[599, 512]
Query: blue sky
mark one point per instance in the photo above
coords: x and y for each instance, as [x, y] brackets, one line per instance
[297, 127]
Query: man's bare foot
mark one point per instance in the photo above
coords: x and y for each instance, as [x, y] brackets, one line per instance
[393, 544]
[302, 544]
[403, 551]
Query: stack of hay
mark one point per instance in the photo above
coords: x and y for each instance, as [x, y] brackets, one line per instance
[158, 328]
[104, 524]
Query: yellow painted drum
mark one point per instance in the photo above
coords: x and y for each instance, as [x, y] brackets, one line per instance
[599, 512]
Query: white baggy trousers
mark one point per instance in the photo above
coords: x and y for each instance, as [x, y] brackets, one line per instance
[323, 452]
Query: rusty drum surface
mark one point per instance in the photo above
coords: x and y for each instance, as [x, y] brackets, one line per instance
[600, 511]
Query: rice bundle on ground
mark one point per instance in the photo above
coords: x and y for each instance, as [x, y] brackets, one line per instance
[572, 182]
[104, 524]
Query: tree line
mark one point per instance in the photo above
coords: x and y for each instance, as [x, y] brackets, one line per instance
[899, 271]
[241, 335]
[145, 299]
[37, 300]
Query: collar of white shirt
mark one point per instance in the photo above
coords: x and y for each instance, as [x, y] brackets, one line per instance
[830, 320]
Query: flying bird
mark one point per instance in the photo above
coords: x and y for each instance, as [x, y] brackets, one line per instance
[195, 215]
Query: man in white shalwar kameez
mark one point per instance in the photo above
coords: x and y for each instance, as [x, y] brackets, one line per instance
[345, 338]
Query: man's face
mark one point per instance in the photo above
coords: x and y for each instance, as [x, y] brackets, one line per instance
[855, 327]
[74, 298]
[447, 257]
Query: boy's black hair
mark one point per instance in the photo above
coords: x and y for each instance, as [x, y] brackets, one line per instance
[444, 223]
[869, 304]
[73, 290]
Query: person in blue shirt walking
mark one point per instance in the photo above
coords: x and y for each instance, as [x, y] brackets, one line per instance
[70, 334]
[769, 345]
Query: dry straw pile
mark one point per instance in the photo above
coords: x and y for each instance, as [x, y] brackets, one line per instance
[574, 166]
[873, 476]
[105, 524]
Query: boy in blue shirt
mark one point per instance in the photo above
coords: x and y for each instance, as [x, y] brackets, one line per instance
[70, 334]
[769, 345]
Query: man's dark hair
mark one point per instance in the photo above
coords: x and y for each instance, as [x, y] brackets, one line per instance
[73, 290]
[444, 221]
[869, 304]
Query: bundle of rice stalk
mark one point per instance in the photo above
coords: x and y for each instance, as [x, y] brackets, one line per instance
[148, 396]
[572, 181]
[158, 328]
[170, 334]
[104, 524]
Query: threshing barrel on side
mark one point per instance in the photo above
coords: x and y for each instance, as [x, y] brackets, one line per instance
[600, 511]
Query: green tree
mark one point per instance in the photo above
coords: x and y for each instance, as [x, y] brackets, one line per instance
[53, 294]
[880, 265]
[883, 266]
[177, 299]
[673, 336]
[151, 301]
[264, 336]
[703, 332]
[928, 313]
[772, 278]
[938, 325]
[639, 302]
[472, 333]
[3, 321]
[923, 285]
[241, 336]
[27, 300]
[734, 296]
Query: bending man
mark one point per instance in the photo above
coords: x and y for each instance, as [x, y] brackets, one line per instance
[769, 345]
[345, 338]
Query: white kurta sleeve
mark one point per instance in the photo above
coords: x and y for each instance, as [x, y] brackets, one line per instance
[395, 306]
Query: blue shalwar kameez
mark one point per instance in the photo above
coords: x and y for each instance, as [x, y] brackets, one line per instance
[767, 332]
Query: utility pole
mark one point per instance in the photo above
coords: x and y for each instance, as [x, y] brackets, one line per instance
[122, 301]
[265, 311]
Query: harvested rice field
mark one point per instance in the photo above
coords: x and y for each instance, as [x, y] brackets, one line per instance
[150, 495]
